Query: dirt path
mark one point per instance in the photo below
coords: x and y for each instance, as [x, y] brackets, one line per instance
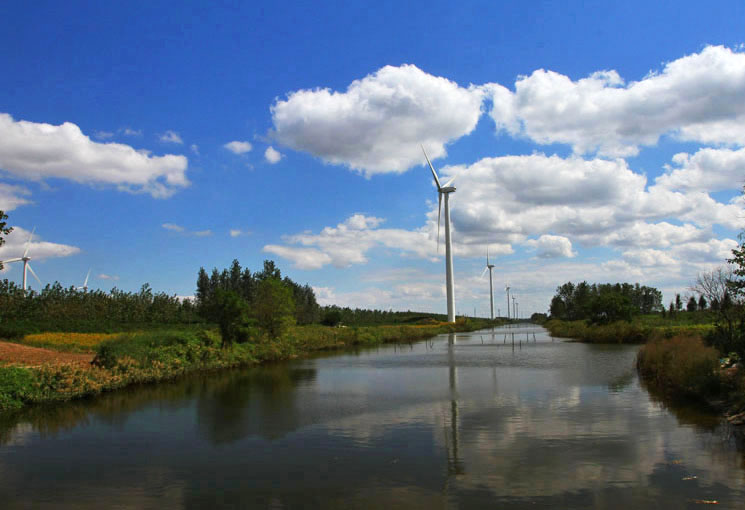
[34, 356]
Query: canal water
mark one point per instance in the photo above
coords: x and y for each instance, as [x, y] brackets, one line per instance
[466, 420]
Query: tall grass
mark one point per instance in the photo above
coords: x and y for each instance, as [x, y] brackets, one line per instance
[682, 364]
[622, 332]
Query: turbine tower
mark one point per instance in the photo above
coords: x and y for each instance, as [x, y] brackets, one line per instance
[508, 301]
[491, 289]
[514, 307]
[25, 260]
[445, 190]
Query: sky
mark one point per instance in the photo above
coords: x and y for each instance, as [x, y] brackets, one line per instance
[589, 141]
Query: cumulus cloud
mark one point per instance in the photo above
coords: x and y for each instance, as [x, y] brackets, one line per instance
[12, 196]
[699, 97]
[37, 151]
[104, 276]
[706, 170]
[378, 123]
[349, 242]
[171, 137]
[548, 246]
[237, 147]
[596, 201]
[15, 245]
[272, 155]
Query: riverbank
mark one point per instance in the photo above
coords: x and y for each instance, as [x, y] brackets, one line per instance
[638, 331]
[683, 366]
[146, 357]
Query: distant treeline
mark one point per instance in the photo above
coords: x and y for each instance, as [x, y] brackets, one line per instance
[332, 315]
[55, 308]
[603, 303]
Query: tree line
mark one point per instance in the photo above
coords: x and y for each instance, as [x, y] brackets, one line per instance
[604, 303]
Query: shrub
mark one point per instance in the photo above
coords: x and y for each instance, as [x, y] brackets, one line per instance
[682, 363]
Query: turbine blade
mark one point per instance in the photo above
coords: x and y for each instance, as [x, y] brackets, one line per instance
[28, 243]
[434, 174]
[32, 272]
[487, 255]
[449, 182]
[18, 259]
[439, 208]
[483, 273]
[85, 283]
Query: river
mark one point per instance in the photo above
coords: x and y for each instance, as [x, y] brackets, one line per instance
[465, 420]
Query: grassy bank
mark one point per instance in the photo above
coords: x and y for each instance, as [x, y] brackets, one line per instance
[683, 366]
[640, 330]
[141, 357]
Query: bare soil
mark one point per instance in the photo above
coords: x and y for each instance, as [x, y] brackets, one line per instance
[17, 354]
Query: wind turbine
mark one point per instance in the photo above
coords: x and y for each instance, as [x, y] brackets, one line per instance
[491, 289]
[25, 260]
[445, 190]
[85, 284]
[508, 301]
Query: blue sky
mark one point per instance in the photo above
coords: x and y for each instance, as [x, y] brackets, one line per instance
[593, 142]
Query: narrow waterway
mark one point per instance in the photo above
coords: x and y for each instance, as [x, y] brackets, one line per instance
[464, 420]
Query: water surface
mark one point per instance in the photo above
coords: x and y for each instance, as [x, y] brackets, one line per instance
[460, 421]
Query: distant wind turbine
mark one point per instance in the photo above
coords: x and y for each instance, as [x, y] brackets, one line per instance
[508, 301]
[445, 190]
[491, 289]
[25, 260]
[85, 283]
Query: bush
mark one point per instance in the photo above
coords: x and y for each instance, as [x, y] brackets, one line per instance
[682, 364]
[16, 385]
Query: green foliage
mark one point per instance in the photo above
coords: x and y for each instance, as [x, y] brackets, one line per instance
[58, 309]
[246, 284]
[604, 303]
[274, 308]
[331, 317]
[231, 315]
[538, 318]
[16, 384]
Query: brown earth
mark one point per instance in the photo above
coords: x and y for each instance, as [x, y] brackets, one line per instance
[17, 354]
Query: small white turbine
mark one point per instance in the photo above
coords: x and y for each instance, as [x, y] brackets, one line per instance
[445, 190]
[25, 260]
[491, 288]
[508, 301]
[85, 283]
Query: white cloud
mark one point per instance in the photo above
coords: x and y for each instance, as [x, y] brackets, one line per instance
[237, 147]
[171, 137]
[377, 125]
[194, 148]
[548, 247]
[173, 227]
[302, 258]
[12, 197]
[104, 276]
[131, 132]
[103, 135]
[36, 151]
[182, 230]
[699, 97]
[706, 170]
[236, 232]
[15, 245]
[272, 156]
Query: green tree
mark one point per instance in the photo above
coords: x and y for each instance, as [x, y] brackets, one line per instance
[692, 305]
[275, 307]
[4, 230]
[702, 302]
[231, 315]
